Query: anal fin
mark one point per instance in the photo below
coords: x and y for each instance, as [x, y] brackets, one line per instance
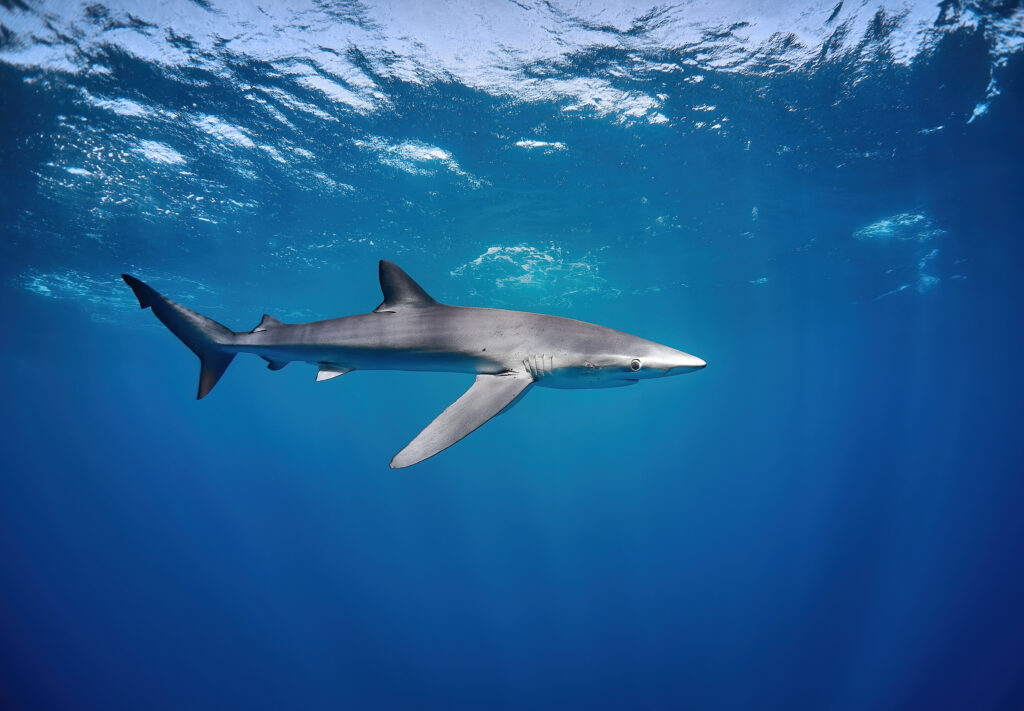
[275, 364]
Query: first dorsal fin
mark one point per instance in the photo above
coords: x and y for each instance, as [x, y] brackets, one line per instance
[267, 323]
[399, 289]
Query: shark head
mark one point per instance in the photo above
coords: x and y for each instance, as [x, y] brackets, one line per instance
[656, 361]
[619, 359]
[643, 360]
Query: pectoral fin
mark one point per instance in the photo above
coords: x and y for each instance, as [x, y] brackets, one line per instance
[488, 396]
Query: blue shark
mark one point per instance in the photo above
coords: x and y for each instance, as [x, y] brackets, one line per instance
[508, 352]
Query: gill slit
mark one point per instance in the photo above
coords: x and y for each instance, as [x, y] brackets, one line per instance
[539, 365]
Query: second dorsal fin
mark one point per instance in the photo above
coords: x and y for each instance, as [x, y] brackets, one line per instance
[399, 289]
[268, 322]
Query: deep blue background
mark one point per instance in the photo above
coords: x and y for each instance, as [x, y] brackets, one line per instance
[828, 516]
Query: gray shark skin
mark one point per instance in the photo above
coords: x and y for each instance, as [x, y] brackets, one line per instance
[507, 351]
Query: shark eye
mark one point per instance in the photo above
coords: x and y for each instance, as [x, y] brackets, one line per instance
[634, 364]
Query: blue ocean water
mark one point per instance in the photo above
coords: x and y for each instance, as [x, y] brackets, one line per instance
[821, 200]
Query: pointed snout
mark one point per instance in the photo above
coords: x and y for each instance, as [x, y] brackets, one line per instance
[686, 363]
[669, 361]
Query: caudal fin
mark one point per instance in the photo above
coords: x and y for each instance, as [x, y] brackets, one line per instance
[207, 338]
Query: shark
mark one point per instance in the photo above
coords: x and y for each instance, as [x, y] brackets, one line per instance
[508, 352]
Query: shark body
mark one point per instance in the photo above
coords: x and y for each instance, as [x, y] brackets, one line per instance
[508, 351]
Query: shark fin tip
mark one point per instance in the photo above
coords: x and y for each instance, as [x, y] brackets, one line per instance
[140, 289]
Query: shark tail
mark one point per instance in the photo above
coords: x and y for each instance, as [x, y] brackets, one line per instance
[208, 339]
